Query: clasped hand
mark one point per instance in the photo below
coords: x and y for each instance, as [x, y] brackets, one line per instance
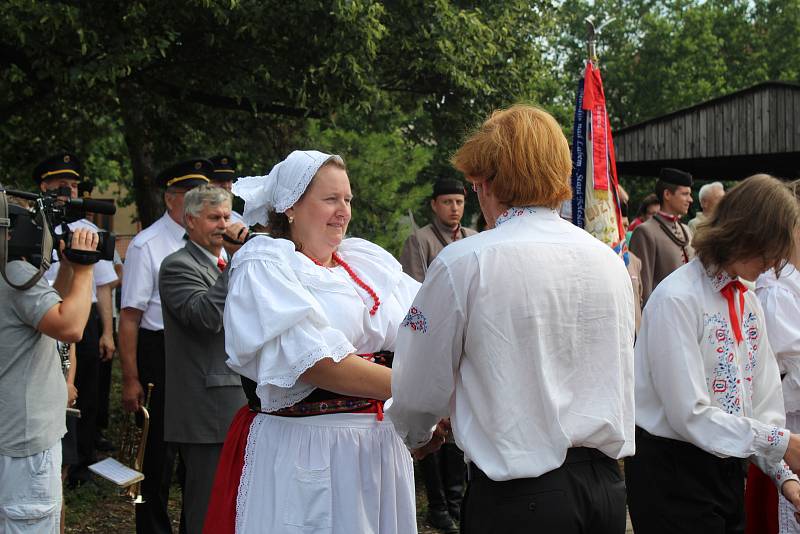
[436, 441]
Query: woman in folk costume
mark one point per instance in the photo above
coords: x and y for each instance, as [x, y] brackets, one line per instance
[308, 318]
[780, 298]
[708, 389]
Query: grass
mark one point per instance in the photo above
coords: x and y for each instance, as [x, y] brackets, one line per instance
[99, 507]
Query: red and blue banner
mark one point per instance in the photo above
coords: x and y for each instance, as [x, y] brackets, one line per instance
[595, 203]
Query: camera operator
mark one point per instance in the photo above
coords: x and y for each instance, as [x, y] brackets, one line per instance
[63, 171]
[33, 392]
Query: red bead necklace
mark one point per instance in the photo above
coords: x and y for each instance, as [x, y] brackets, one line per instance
[359, 282]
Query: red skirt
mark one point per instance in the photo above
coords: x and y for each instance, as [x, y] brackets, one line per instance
[760, 503]
[221, 515]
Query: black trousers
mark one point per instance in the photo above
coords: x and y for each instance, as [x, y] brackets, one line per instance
[674, 486]
[104, 384]
[87, 352]
[586, 495]
[159, 457]
[444, 474]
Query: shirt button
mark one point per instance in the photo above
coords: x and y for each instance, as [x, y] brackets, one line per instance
[532, 507]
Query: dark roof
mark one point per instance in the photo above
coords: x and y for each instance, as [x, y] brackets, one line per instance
[753, 130]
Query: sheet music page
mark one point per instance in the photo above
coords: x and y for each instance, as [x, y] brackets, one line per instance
[119, 474]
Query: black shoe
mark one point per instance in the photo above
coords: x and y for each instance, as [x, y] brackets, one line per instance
[455, 511]
[78, 476]
[441, 520]
[103, 444]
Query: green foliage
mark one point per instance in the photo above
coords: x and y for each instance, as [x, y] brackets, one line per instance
[134, 86]
[659, 56]
[383, 170]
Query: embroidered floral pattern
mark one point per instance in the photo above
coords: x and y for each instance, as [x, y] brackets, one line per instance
[719, 280]
[725, 379]
[415, 320]
[524, 211]
[782, 472]
[514, 212]
[775, 436]
[751, 338]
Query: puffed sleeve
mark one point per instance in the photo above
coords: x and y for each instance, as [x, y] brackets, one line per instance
[782, 317]
[768, 405]
[274, 328]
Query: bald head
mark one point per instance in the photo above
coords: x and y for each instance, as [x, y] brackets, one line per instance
[710, 195]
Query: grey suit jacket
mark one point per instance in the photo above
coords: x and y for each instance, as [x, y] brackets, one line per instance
[202, 393]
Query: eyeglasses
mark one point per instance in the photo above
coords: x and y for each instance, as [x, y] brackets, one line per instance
[476, 186]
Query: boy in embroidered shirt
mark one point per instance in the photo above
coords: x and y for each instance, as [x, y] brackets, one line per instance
[707, 384]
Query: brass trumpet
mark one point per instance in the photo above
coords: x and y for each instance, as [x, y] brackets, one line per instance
[132, 448]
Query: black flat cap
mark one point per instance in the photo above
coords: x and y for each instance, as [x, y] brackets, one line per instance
[675, 177]
[186, 174]
[448, 186]
[224, 168]
[60, 165]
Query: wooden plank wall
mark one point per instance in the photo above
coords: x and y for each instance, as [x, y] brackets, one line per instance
[764, 121]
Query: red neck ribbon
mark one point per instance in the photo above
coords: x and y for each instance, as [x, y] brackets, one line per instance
[221, 263]
[729, 293]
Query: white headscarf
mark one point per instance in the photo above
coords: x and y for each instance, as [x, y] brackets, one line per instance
[281, 188]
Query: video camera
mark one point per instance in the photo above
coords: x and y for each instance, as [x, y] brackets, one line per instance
[35, 230]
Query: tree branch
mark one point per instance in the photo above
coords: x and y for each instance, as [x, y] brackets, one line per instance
[225, 102]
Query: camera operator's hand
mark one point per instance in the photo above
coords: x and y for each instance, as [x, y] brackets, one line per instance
[132, 395]
[82, 239]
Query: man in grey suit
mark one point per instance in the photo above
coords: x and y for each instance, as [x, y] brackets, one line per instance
[202, 393]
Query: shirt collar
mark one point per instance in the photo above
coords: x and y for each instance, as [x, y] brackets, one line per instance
[210, 256]
[719, 279]
[669, 216]
[523, 211]
[175, 230]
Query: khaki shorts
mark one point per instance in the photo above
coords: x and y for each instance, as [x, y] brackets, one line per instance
[30, 492]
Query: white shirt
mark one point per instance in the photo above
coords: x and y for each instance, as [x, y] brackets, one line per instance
[524, 335]
[213, 259]
[283, 313]
[142, 264]
[781, 301]
[103, 270]
[694, 383]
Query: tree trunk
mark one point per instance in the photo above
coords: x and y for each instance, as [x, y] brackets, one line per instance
[138, 138]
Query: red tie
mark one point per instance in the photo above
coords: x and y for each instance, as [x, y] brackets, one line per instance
[221, 263]
[728, 292]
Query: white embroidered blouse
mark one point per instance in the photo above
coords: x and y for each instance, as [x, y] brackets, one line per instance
[695, 383]
[284, 313]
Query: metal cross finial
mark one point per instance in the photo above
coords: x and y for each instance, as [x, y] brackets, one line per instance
[593, 33]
